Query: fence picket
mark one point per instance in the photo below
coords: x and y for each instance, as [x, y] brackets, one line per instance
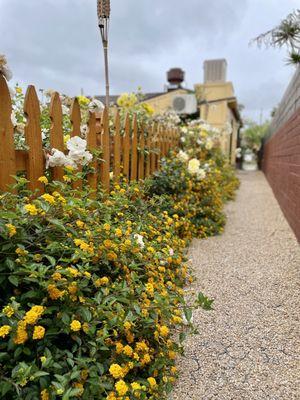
[134, 141]
[56, 132]
[153, 155]
[126, 147]
[7, 149]
[148, 156]
[75, 118]
[117, 149]
[33, 136]
[141, 172]
[92, 177]
[105, 164]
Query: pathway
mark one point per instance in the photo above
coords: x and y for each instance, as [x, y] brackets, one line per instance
[248, 347]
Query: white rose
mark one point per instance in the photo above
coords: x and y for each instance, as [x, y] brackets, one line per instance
[201, 174]
[76, 144]
[139, 239]
[56, 159]
[193, 166]
[96, 105]
[183, 156]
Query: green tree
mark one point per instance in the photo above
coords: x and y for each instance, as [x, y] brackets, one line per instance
[252, 135]
[286, 34]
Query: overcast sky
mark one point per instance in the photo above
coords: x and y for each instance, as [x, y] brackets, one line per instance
[56, 44]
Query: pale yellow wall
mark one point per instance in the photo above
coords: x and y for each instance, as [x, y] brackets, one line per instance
[219, 114]
[164, 102]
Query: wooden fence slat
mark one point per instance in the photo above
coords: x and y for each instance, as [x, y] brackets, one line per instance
[56, 132]
[117, 149]
[75, 118]
[126, 147]
[33, 135]
[92, 178]
[153, 155]
[134, 141]
[141, 172]
[148, 147]
[7, 148]
[105, 164]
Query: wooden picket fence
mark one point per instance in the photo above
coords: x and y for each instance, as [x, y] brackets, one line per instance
[122, 153]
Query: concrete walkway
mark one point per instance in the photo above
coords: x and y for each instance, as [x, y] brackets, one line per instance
[248, 347]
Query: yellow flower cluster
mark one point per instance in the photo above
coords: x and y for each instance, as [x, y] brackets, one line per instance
[11, 230]
[33, 314]
[4, 330]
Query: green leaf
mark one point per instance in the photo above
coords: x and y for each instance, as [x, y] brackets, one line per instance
[14, 280]
[5, 388]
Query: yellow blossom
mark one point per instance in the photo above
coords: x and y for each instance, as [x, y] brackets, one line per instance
[119, 347]
[38, 332]
[4, 330]
[118, 232]
[121, 388]
[106, 227]
[116, 371]
[75, 325]
[152, 382]
[80, 224]
[11, 230]
[43, 179]
[102, 281]
[127, 350]
[54, 292]
[136, 386]
[8, 311]
[31, 209]
[164, 331]
[33, 314]
[22, 335]
[21, 252]
[44, 395]
[48, 198]
[127, 325]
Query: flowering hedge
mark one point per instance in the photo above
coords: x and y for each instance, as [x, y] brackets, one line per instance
[92, 303]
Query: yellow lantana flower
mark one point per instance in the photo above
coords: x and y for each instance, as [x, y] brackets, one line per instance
[33, 314]
[11, 229]
[121, 388]
[38, 332]
[31, 209]
[75, 325]
[116, 371]
[4, 330]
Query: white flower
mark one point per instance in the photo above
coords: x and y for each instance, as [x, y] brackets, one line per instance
[86, 158]
[84, 130]
[4, 69]
[193, 166]
[171, 252]
[198, 141]
[65, 110]
[111, 175]
[183, 156]
[96, 105]
[76, 144]
[139, 239]
[69, 162]
[13, 119]
[182, 139]
[56, 159]
[209, 144]
[201, 174]
[184, 129]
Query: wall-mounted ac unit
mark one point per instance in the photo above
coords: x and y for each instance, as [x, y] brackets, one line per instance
[185, 104]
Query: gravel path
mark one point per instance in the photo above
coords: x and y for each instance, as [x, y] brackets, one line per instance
[248, 347]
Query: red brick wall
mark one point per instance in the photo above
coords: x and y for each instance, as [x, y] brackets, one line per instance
[281, 165]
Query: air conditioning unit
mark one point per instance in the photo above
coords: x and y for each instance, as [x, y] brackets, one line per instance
[185, 104]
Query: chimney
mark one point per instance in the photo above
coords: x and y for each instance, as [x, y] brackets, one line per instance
[215, 70]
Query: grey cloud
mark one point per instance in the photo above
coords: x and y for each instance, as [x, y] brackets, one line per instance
[56, 44]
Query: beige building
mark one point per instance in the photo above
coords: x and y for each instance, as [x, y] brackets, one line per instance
[213, 100]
